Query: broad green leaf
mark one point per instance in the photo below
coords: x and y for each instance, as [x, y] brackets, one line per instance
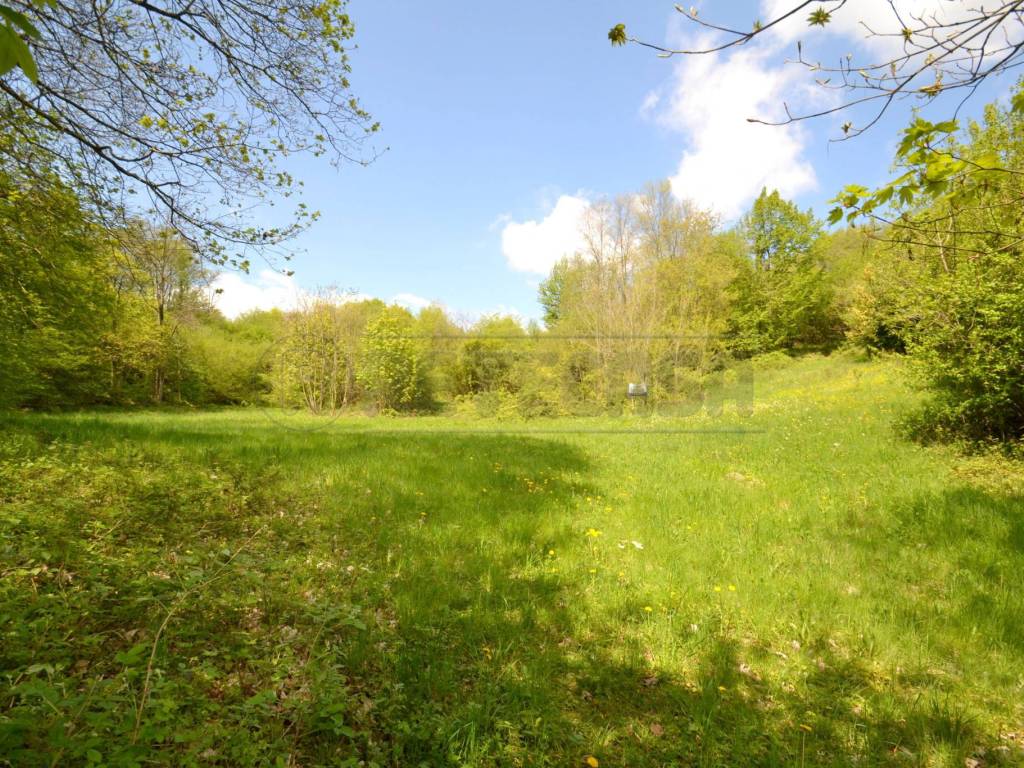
[19, 20]
[15, 53]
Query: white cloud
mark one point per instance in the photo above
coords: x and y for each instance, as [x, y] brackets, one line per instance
[240, 293]
[535, 246]
[467, 318]
[650, 103]
[411, 301]
[728, 159]
[872, 29]
[876, 24]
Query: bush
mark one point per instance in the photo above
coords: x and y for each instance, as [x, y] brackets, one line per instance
[969, 349]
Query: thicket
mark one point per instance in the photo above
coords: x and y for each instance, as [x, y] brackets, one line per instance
[948, 284]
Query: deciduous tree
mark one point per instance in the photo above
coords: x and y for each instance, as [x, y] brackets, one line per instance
[190, 107]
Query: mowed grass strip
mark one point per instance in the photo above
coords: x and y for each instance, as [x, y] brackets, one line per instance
[800, 587]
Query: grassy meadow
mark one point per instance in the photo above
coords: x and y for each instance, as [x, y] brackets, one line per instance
[801, 587]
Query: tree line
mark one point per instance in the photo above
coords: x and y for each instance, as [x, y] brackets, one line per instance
[660, 294]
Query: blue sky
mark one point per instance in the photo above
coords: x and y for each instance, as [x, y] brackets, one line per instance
[502, 121]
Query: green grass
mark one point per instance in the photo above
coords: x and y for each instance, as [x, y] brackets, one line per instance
[225, 588]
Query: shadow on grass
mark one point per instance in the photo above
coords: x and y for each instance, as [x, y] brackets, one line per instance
[467, 645]
[961, 553]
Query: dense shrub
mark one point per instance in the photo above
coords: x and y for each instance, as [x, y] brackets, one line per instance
[950, 287]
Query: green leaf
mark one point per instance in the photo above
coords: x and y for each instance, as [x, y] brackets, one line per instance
[989, 160]
[819, 17]
[19, 20]
[1017, 102]
[617, 34]
[133, 655]
[15, 53]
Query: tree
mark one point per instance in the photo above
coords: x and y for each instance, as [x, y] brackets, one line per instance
[952, 47]
[782, 296]
[56, 296]
[953, 286]
[316, 362]
[489, 355]
[310, 363]
[440, 340]
[615, 310]
[164, 271]
[234, 359]
[938, 170]
[553, 288]
[189, 105]
[390, 363]
[643, 299]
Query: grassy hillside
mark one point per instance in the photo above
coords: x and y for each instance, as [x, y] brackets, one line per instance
[800, 587]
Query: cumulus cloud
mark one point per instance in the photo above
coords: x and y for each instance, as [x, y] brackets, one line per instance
[234, 294]
[728, 159]
[535, 246]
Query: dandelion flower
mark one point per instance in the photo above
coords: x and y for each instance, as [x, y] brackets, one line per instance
[591, 761]
[717, 588]
[593, 533]
[648, 608]
[732, 587]
[551, 553]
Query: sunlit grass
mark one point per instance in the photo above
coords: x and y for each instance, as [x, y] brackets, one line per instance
[797, 587]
